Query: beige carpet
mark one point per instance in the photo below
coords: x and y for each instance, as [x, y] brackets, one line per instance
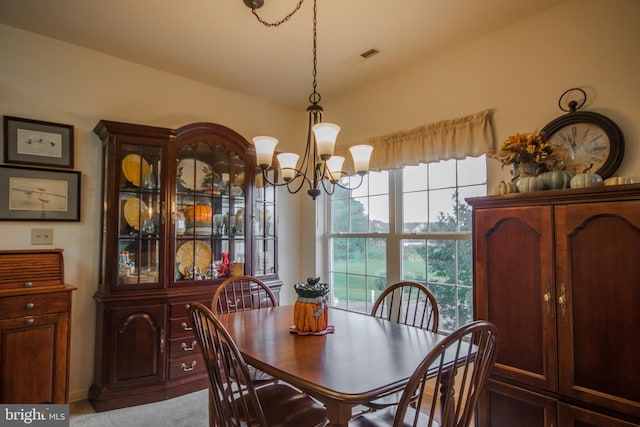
[190, 410]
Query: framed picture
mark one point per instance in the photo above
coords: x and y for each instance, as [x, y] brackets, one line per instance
[30, 194]
[32, 142]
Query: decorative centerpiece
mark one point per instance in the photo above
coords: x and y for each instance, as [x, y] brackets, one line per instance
[310, 313]
[527, 154]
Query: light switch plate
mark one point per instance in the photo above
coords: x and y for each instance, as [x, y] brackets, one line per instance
[42, 236]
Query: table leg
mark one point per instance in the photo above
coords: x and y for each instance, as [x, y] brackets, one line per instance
[338, 413]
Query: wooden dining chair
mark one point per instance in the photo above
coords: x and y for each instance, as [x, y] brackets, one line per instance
[455, 372]
[409, 303]
[241, 293]
[238, 403]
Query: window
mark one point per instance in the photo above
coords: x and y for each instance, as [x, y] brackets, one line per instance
[407, 224]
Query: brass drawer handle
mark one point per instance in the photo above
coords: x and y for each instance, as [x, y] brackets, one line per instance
[185, 326]
[29, 306]
[28, 284]
[232, 304]
[193, 345]
[29, 321]
[185, 368]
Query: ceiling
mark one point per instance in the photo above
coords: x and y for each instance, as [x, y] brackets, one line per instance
[220, 42]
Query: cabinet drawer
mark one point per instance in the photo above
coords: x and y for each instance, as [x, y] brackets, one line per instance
[184, 347]
[186, 366]
[180, 327]
[181, 309]
[32, 305]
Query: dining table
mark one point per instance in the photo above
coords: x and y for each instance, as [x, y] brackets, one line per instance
[362, 357]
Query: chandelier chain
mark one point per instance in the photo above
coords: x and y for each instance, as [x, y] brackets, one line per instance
[314, 98]
[280, 22]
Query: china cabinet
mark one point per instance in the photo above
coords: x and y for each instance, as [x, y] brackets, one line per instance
[35, 313]
[183, 210]
[557, 272]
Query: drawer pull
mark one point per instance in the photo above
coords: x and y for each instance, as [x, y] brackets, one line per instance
[29, 321]
[185, 368]
[187, 306]
[29, 306]
[185, 326]
[28, 284]
[232, 304]
[193, 345]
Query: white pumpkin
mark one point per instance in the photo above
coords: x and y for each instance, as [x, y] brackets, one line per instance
[529, 183]
[504, 188]
[556, 180]
[585, 180]
[618, 180]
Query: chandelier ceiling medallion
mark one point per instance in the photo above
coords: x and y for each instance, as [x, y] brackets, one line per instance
[319, 168]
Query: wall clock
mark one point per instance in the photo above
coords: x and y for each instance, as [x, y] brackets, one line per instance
[585, 139]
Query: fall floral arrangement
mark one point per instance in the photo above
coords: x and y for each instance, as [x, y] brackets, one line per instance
[524, 148]
[310, 313]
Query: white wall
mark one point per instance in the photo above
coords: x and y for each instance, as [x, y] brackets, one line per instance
[44, 79]
[519, 72]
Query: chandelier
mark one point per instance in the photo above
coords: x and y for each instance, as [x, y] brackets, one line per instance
[319, 168]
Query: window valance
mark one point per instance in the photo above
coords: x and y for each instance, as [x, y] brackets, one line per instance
[448, 139]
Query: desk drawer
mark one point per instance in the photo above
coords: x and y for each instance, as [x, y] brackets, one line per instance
[33, 305]
[186, 366]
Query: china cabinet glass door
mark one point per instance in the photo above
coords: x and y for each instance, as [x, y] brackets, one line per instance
[264, 226]
[140, 226]
[209, 213]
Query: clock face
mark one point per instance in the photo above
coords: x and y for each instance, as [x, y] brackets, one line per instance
[587, 140]
[582, 145]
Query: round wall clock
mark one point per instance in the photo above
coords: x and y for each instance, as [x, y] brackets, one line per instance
[586, 140]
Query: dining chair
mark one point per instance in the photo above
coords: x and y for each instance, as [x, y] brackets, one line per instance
[238, 403]
[409, 303]
[448, 382]
[241, 293]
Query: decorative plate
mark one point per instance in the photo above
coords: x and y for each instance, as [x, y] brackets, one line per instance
[131, 168]
[131, 212]
[196, 175]
[185, 256]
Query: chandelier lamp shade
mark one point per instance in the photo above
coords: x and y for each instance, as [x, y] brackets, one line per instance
[318, 168]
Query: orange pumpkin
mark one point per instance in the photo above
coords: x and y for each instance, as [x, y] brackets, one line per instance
[304, 317]
[198, 213]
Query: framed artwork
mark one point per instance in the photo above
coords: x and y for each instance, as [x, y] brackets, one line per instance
[33, 142]
[30, 194]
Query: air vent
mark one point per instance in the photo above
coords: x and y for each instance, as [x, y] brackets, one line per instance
[368, 54]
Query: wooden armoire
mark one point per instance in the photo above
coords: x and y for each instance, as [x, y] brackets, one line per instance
[558, 272]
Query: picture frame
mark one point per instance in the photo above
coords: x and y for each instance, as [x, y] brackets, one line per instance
[32, 194]
[34, 142]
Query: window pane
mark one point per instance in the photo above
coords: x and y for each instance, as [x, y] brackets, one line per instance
[414, 260]
[338, 255]
[472, 170]
[414, 212]
[442, 210]
[379, 214]
[377, 257]
[442, 174]
[414, 178]
[339, 216]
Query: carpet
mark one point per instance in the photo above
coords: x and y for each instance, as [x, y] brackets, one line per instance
[190, 410]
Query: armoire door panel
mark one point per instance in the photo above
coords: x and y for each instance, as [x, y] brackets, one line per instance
[594, 335]
[517, 300]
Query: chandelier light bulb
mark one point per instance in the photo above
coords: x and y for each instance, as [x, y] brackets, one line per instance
[288, 165]
[326, 135]
[334, 166]
[361, 155]
[265, 146]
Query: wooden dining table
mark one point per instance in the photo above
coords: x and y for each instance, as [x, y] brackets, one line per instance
[363, 357]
